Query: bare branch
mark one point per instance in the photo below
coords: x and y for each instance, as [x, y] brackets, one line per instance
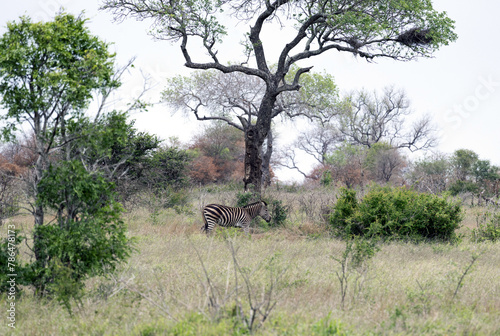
[288, 160]
[373, 119]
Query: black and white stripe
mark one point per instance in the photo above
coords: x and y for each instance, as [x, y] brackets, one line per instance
[231, 216]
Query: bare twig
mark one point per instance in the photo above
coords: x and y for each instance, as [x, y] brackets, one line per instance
[474, 257]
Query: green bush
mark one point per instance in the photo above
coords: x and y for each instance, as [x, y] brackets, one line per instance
[490, 230]
[87, 237]
[343, 213]
[10, 263]
[279, 213]
[396, 213]
[244, 198]
[277, 210]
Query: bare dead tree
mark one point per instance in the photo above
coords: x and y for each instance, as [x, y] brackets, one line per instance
[387, 163]
[364, 120]
[373, 118]
[288, 159]
[317, 142]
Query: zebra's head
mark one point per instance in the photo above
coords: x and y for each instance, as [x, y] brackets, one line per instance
[264, 212]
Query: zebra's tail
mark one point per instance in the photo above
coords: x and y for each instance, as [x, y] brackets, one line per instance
[204, 228]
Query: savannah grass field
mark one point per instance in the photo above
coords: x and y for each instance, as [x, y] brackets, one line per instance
[291, 280]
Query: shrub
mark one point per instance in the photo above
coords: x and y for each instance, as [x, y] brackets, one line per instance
[87, 237]
[396, 213]
[244, 198]
[10, 263]
[489, 230]
[279, 213]
[277, 210]
[166, 168]
[344, 211]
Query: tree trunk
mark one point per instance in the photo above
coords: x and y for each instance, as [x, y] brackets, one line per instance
[266, 161]
[253, 161]
[39, 212]
[254, 138]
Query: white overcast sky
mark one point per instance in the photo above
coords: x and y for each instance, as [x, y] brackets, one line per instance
[459, 87]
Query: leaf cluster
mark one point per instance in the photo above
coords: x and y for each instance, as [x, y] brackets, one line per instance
[111, 144]
[87, 237]
[165, 167]
[49, 68]
[399, 213]
[488, 229]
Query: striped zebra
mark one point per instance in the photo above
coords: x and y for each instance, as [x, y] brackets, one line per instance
[230, 216]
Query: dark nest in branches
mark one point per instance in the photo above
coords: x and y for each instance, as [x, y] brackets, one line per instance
[415, 36]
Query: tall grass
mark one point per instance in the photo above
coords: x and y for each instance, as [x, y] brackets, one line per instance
[405, 288]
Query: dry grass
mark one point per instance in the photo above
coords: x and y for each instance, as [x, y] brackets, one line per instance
[405, 289]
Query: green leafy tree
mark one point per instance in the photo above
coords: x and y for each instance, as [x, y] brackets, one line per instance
[88, 236]
[111, 145]
[483, 171]
[400, 30]
[473, 175]
[48, 73]
[430, 174]
[462, 162]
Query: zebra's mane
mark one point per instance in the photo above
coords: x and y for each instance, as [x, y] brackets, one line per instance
[249, 205]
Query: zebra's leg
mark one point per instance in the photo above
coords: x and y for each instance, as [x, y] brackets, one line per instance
[204, 228]
[209, 225]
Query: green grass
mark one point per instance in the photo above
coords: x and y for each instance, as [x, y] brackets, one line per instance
[405, 289]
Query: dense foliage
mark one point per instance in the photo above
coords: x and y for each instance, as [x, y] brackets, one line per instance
[218, 155]
[166, 167]
[109, 143]
[488, 229]
[396, 213]
[88, 235]
[50, 72]
[461, 173]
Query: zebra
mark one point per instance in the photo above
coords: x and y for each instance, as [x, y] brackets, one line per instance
[231, 216]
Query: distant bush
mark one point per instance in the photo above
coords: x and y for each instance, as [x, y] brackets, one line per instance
[396, 213]
[166, 167]
[489, 230]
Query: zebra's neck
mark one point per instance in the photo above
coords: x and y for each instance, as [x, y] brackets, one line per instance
[253, 209]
